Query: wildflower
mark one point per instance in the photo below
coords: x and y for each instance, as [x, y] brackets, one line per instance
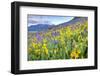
[44, 47]
[75, 54]
[69, 32]
[46, 51]
[39, 38]
[35, 45]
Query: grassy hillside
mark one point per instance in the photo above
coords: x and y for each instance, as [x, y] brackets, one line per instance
[66, 42]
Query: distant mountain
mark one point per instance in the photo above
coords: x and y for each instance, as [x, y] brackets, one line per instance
[39, 27]
[44, 27]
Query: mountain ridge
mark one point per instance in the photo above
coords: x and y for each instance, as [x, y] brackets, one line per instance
[44, 27]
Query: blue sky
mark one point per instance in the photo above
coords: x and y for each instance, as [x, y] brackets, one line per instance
[41, 19]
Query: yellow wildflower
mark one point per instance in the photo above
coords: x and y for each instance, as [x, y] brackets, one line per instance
[69, 32]
[44, 47]
[46, 51]
[75, 54]
[35, 45]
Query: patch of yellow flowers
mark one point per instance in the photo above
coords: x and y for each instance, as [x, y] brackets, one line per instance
[44, 47]
[69, 32]
[75, 54]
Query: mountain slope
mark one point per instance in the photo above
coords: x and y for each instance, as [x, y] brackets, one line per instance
[80, 20]
[44, 27]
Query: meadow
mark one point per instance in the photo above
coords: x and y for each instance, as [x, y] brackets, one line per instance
[63, 42]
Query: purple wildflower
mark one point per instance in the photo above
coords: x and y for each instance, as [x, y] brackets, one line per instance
[39, 38]
[55, 34]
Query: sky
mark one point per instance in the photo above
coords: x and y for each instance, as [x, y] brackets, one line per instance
[41, 19]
